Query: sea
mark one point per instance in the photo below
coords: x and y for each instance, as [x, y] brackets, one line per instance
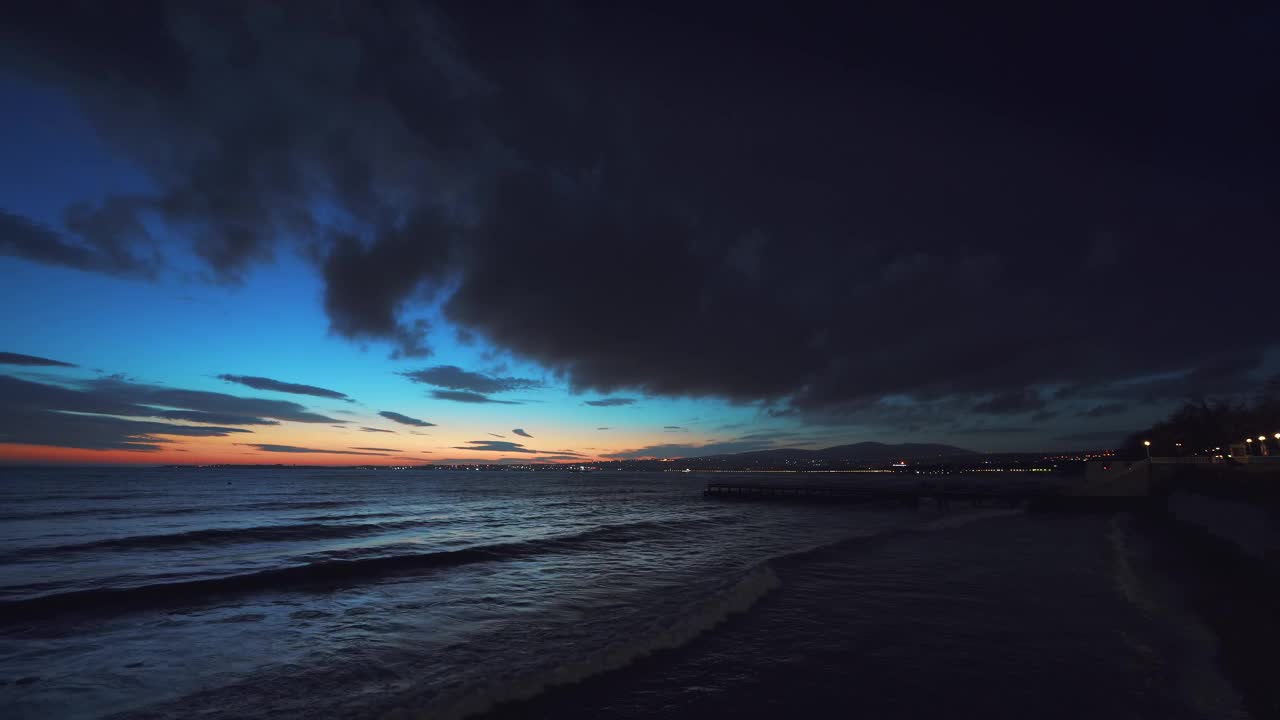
[345, 593]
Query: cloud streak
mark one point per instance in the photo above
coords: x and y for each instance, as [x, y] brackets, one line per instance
[110, 413]
[494, 446]
[453, 377]
[463, 396]
[8, 358]
[213, 418]
[106, 252]
[272, 448]
[405, 419]
[39, 414]
[261, 383]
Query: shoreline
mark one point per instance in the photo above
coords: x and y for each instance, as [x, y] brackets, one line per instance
[1234, 594]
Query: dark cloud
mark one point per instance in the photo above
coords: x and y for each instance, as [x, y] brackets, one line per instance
[375, 430]
[1094, 439]
[261, 383]
[119, 391]
[992, 430]
[762, 440]
[98, 251]
[405, 419]
[496, 435]
[266, 447]
[455, 378]
[603, 428]
[468, 397]
[522, 433]
[1104, 410]
[875, 202]
[674, 428]
[1011, 403]
[8, 358]
[1226, 374]
[771, 436]
[494, 446]
[96, 432]
[610, 402]
[34, 413]
[674, 450]
[102, 413]
[197, 416]
[375, 449]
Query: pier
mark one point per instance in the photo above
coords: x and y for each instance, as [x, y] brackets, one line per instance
[1036, 498]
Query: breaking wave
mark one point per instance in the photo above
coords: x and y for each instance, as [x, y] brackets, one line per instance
[314, 575]
[734, 599]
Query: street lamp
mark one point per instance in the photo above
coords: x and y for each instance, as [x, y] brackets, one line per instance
[1248, 444]
[1147, 444]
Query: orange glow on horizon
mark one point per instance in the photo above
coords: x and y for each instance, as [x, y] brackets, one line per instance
[14, 454]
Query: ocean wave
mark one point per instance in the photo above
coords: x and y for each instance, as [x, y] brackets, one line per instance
[219, 536]
[351, 516]
[314, 575]
[1186, 642]
[733, 599]
[303, 505]
[837, 548]
[117, 511]
[40, 515]
[739, 597]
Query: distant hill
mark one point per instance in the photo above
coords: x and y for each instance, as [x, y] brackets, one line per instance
[866, 452]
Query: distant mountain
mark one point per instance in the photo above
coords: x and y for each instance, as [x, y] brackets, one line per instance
[867, 452]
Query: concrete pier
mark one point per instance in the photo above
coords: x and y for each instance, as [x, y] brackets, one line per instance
[1036, 498]
[853, 494]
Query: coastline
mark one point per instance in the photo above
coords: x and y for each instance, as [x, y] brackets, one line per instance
[1233, 592]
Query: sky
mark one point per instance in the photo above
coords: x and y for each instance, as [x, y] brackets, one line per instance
[415, 232]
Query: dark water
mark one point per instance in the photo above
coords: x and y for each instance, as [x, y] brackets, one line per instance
[333, 593]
